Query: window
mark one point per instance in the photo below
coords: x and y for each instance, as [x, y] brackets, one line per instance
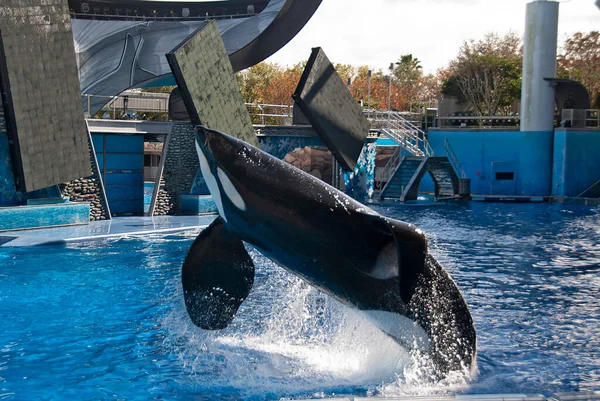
[151, 160]
[506, 176]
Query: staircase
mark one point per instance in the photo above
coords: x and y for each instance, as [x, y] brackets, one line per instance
[412, 159]
[405, 180]
[444, 177]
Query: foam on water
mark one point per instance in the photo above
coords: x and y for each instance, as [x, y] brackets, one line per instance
[290, 337]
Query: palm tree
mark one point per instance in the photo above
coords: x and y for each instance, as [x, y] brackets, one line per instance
[408, 68]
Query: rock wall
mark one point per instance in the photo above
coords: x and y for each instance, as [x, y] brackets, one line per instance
[181, 167]
[317, 161]
[88, 190]
[164, 204]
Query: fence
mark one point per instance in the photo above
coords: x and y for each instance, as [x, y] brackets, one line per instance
[137, 101]
[472, 121]
[580, 118]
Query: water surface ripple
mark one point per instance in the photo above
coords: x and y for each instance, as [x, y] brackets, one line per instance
[105, 319]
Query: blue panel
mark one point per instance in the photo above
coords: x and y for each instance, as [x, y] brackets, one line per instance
[197, 204]
[124, 143]
[536, 164]
[476, 150]
[558, 164]
[127, 207]
[121, 161]
[576, 162]
[123, 171]
[125, 192]
[98, 141]
[13, 218]
[136, 179]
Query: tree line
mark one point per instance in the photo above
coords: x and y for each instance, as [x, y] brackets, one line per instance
[485, 76]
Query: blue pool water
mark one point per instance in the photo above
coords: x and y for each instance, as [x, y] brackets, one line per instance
[105, 320]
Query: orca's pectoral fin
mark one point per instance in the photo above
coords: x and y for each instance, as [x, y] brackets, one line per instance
[217, 276]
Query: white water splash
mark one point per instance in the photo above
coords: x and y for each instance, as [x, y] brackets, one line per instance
[288, 338]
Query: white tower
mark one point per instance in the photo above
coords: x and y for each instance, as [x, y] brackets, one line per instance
[539, 62]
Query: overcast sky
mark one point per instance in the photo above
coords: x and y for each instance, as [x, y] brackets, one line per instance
[377, 32]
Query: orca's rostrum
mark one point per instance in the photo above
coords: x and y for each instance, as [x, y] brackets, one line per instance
[377, 265]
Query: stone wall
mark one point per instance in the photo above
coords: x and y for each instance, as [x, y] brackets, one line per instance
[88, 190]
[164, 203]
[205, 77]
[317, 161]
[181, 167]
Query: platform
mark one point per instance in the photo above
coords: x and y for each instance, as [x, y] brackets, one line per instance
[582, 396]
[507, 198]
[117, 227]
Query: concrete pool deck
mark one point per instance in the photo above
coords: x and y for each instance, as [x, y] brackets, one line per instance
[582, 396]
[117, 227]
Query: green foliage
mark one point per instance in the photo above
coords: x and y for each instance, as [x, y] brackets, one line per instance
[158, 89]
[408, 69]
[580, 61]
[486, 75]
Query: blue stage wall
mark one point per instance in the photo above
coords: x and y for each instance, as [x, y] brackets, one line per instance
[576, 162]
[485, 153]
[121, 163]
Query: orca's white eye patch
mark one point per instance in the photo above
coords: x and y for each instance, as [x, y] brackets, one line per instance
[211, 181]
[232, 193]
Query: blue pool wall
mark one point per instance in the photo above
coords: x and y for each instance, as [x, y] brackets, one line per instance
[483, 153]
[576, 162]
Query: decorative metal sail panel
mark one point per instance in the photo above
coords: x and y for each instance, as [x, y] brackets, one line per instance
[332, 111]
[208, 86]
[41, 96]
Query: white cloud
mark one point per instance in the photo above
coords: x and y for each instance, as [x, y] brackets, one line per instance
[377, 32]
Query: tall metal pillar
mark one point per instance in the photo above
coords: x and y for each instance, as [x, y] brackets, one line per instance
[539, 62]
[537, 99]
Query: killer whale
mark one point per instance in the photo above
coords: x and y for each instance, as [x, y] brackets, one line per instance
[372, 263]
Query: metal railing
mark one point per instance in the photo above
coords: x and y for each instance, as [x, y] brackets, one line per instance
[139, 101]
[372, 114]
[453, 159]
[135, 17]
[470, 121]
[411, 140]
[388, 171]
[266, 114]
[401, 131]
[581, 118]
